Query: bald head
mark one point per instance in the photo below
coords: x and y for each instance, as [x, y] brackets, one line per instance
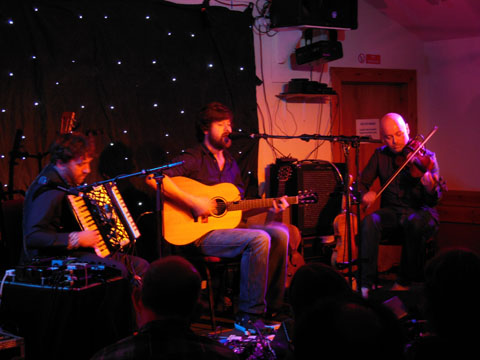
[395, 131]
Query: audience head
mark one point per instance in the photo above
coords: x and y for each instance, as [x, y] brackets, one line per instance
[170, 289]
[451, 291]
[348, 327]
[314, 281]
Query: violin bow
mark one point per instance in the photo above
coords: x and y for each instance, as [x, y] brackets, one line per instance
[410, 157]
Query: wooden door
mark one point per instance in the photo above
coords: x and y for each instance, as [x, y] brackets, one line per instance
[370, 94]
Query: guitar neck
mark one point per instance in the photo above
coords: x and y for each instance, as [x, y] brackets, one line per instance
[258, 203]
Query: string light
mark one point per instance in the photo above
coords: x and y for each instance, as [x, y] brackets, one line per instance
[154, 61]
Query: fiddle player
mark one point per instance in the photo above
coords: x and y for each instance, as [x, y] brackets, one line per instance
[407, 206]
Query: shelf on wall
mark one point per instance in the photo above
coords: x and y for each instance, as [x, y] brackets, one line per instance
[306, 98]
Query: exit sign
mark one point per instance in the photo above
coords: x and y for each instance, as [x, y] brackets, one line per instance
[372, 59]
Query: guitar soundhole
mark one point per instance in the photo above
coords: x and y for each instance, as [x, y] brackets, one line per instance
[220, 208]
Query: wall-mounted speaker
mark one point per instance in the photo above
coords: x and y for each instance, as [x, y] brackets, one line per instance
[322, 177]
[327, 14]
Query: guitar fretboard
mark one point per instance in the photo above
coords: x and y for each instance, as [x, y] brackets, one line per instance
[257, 203]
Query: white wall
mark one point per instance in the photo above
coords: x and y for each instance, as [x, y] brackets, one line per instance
[376, 34]
[453, 103]
[448, 93]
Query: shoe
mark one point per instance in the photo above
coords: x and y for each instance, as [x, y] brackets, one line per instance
[250, 323]
[399, 287]
[279, 315]
[365, 292]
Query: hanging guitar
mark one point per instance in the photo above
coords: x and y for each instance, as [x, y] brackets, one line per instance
[294, 260]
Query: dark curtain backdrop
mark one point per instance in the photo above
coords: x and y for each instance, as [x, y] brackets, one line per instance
[134, 72]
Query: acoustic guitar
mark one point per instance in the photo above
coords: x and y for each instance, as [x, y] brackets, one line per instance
[182, 228]
[295, 260]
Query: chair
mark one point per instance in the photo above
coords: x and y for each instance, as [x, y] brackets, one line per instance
[210, 263]
[390, 252]
[208, 266]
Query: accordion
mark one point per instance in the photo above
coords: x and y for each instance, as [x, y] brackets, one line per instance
[103, 210]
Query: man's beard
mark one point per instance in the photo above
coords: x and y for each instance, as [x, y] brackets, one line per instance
[220, 144]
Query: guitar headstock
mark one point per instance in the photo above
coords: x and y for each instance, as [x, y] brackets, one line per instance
[307, 197]
[69, 123]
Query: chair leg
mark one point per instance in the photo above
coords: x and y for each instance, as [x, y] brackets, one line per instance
[210, 298]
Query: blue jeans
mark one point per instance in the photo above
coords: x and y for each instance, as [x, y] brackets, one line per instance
[263, 265]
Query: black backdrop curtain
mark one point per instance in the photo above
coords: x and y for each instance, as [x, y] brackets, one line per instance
[134, 72]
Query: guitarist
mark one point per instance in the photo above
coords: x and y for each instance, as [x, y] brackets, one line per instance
[407, 206]
[263, 250]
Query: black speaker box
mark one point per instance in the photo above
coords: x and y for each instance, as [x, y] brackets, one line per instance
[323, 51]
[322, 177]
[328, 14]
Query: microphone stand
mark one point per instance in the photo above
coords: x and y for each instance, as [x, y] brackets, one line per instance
[347, 142]
[158, 176]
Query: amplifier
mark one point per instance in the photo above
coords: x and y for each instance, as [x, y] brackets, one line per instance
[322, 177]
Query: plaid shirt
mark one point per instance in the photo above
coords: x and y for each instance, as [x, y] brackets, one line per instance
[165, 339]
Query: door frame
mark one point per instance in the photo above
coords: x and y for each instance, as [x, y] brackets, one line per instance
[343, 75]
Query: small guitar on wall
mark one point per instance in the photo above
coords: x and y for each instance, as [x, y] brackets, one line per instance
[182, 228]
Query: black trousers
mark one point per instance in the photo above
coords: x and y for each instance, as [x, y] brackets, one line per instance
[412, 226]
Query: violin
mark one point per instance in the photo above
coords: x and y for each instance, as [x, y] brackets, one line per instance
[419, 163]
[412, 155]
[345, 246]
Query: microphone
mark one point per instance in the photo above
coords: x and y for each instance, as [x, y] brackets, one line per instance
[43, 180]
[241, 135]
